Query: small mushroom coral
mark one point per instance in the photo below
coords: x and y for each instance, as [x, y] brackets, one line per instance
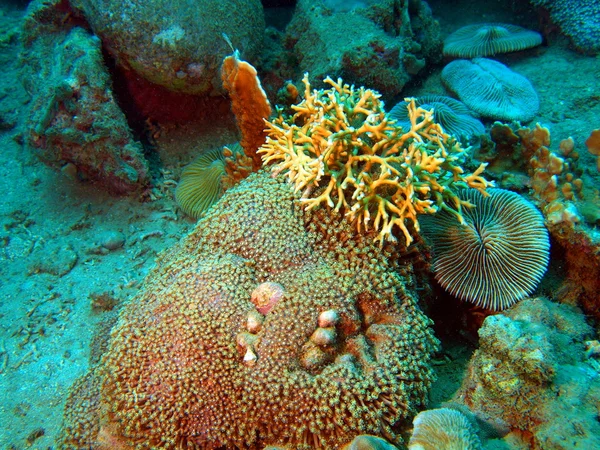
[453, 116]
[443, 429]
[488, 39]
[200, 183]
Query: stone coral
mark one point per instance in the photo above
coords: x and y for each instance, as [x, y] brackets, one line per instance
[192, 364]
[578, 19]
[488, 39]
[342, 150]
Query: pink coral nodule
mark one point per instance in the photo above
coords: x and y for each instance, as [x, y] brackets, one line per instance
[266, 296]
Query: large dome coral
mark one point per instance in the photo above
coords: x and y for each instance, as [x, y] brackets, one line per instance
[342, 349]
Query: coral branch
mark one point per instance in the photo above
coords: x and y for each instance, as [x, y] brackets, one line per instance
[341, 145]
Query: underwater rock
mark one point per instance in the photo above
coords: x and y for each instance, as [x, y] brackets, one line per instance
[186, 368]
[54, 258]
[578, 19]
[176, 44]
[111, 240]
[529, 372]
[380, 44]
[73, 118]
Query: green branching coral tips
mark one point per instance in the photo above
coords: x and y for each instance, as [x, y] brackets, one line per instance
[341, 149]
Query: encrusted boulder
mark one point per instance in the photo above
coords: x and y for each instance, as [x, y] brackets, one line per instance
[381, 44]
[175, 43]
[74, 123]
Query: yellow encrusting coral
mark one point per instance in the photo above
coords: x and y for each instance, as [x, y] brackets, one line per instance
[341, 149]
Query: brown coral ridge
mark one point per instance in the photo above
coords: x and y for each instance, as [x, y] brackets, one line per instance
[249, 103]
[192, 364]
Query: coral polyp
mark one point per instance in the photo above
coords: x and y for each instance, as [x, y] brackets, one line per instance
[266, 296]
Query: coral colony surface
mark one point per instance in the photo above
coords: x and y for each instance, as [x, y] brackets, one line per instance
[300, 225]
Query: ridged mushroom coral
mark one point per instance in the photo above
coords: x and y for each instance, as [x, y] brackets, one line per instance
[488, 39]
[452, 115]
[204, 180]
[497, 256]
[491, 89]
[443, 429]
[200, 183]
[207, 356]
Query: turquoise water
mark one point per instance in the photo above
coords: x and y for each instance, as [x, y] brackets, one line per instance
[100, 110]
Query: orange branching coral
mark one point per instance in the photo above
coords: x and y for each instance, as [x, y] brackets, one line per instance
[248, 102]
[342, 150]
[553, 175]
[194, 364]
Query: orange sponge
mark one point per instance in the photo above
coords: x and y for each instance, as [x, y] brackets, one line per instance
[248, 102]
